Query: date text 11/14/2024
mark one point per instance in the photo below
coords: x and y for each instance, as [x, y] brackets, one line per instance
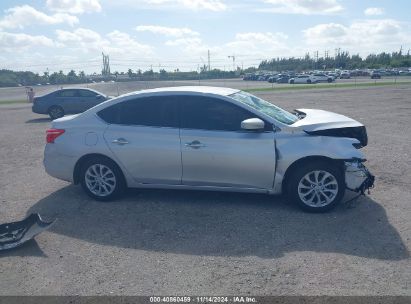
[203, 299]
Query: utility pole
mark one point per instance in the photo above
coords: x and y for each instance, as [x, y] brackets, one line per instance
[233, 57]
[208, 54]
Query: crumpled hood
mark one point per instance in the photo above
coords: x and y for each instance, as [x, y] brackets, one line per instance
[316, 120]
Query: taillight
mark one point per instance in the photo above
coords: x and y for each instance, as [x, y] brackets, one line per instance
[52, 134]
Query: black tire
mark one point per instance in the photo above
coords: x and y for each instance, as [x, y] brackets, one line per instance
[119, 185]
[329, 80]
[56, 112]
[291, 81]
[297, 176]
[308, 81]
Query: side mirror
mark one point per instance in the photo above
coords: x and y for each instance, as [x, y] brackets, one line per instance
[252, 124]
[99, 96]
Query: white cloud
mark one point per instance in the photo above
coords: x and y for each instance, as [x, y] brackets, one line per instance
[74, 6]
[304, 7]
[167, 31]
[374, 11]
[249, 48]
[22, 16]
[89, 41]
[19, 42]
[258, 44]
[212, 5]
[365, 36]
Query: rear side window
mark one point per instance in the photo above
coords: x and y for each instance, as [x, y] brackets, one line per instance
[157, 111]
[206, 113]
[67, 93]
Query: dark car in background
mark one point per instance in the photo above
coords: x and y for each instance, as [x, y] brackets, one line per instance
[376, 75]
[283, 78]
[67, 101]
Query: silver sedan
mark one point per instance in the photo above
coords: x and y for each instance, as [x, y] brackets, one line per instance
[209, 138]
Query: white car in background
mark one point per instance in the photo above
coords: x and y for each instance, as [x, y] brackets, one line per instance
[300, 79]
[208, 138]
[320, 77]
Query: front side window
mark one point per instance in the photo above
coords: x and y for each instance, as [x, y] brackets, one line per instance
[67, 93]
[156, 111]
[87, 93]
[265, 107]
[207, 113]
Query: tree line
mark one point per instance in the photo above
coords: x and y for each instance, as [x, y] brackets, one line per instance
[342, 60]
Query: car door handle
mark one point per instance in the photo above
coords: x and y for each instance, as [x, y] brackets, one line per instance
[195, 144]
[120, 141]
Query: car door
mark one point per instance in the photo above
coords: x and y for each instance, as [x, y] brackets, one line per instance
[144, 136]
[68, 100]
[88, 99]
[217, 152]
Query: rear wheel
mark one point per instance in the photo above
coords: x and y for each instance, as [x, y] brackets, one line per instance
[292, 81]
[56, 112]
[316, 186]
[308, 81]
[329, 80]
[102, 179]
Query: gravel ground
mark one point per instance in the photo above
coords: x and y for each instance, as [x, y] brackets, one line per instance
[187, 243]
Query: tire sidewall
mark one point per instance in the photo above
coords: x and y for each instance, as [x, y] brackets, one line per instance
[120, 183]
[301, 171]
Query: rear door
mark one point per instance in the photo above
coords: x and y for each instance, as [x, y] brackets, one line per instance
[144, 136]
[217, 152]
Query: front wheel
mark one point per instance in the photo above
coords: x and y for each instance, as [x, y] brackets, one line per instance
[102, 179]
[316, 186]
[308, 81]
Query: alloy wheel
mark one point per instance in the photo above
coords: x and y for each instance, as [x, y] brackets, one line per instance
[100, 180]
[318, 188]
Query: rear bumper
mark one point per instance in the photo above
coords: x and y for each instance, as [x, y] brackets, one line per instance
[357, 177]
[57, 164]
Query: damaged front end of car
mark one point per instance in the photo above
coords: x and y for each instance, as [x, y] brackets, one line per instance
[357, 177]
[331, 125]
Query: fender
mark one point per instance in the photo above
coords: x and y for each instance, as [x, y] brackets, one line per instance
[293, 144]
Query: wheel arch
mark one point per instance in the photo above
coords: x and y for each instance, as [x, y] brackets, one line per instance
[316, 158]
[84, 158]
[54, 106]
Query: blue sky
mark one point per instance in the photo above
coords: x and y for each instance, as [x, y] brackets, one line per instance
[64, 34]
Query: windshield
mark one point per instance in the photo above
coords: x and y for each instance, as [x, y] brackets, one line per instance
[265, 107]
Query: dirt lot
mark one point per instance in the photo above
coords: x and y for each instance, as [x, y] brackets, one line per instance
[181, 242]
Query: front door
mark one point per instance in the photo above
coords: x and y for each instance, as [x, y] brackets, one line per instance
[217, 152]
[87, 100]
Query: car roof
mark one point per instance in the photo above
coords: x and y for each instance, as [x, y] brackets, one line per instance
[188, 89]
[76, 88]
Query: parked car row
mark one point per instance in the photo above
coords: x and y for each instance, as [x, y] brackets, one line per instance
[325, 76]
